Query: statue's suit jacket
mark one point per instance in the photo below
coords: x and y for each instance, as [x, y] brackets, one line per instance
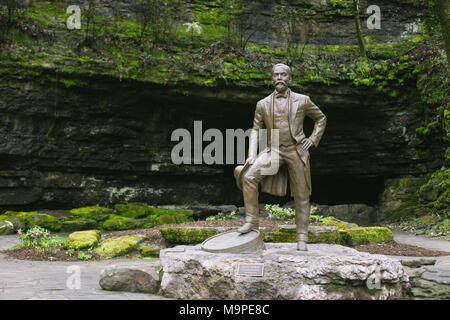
[299, 106]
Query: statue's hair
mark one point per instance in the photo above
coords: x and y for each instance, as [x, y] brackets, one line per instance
[285, 67]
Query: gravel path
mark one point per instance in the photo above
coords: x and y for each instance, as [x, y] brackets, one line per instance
[22, 280]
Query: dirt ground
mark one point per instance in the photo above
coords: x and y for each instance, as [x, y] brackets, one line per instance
[154, 236]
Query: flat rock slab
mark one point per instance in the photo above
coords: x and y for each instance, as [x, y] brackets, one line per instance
[326, 271]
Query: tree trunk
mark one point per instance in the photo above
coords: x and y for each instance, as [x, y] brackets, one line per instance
[359, 34]
[442, 10]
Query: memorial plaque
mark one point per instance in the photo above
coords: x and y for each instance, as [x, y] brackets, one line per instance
[250, 270]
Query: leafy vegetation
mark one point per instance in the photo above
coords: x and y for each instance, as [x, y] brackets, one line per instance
[40, 239]
[222, 216]
[275, 212]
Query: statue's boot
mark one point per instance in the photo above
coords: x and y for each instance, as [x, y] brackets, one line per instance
[251, 223]
[250, 190]
[302, 210]
[301, 242]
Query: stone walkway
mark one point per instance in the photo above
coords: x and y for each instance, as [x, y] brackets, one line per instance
[41, 280]
[22, 280]
[421, 241]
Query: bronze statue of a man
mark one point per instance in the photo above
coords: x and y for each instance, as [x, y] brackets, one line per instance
[285, 111]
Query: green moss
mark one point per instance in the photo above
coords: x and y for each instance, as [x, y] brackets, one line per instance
[82, 239]
[353, 236]
[116, 222]
[400, 199]
[96, 213]
[332, 221]
[187, 236]
[161, 216]
[119, 246]
[358, 236]
[379, 234]
[436, 192]
[28, 220]
[347, 235]
[325, 236]
[77, 225]
[151, 251]
[132, 210]
[288, 234]
[282, 235]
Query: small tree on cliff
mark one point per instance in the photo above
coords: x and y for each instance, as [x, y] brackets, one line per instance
[442, 11]
[293, 25]
[359, 34]
[158, 17]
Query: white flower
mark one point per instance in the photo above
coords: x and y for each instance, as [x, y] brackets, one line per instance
[195, 26]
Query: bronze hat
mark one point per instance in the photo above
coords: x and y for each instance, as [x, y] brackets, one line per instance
[239, 172]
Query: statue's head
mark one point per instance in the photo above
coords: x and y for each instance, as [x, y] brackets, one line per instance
[281, 76]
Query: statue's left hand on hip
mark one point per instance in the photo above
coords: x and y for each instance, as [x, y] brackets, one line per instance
[306, 144]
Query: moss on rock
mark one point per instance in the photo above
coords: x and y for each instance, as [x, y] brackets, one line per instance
[116, 222]
[163, 216]
[6, 227]
[119, 246]
[78, 225]
[353, 236]
[96, 213]
[150, 251]
[316, 234]
[132, 210]
[28, 220]
[332, 221]
[284, 234]
[379, 234]
[188, 236]
[323, 234]
[400, 199]
[82, 239]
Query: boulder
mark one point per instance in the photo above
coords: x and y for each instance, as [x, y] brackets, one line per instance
[357, 213]
[131, 279]
[83, 239]
[132, 210]
[358, 236]
[119, 246]
[95, 213]
[428, 282]
[332, 233]
[115, 222]
[6, 227]
[190, 235]
[28, 220]
[150, 251]
[170, 216]
[78, 225]
[316, 234]
[325, 272]
[417, 262]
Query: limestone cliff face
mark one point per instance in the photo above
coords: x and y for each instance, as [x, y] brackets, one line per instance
[99, 140]
[331, 22]
[317, 21]
[110, 142]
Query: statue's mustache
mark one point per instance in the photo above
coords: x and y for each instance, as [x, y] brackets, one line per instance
[280, 82]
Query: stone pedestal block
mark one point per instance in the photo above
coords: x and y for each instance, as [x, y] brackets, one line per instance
[325, 272]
